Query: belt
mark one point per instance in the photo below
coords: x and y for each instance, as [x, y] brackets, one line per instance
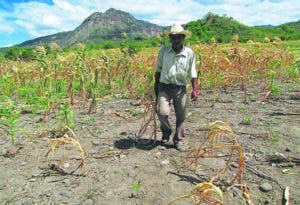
[171, 85]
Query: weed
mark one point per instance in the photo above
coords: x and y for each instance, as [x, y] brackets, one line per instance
[275, 139]
[136, 186]
[134, 112]
[275, 135]
[9, 116]
[271, 122]
[241, 108]
[65, 115]
[174, 161]
[246, 120]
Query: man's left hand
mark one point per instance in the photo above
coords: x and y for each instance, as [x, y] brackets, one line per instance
[194, 95]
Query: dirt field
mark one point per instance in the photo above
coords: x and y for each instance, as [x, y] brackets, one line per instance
[123, 170]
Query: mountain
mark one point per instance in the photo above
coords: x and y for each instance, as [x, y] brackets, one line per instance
[110, 25]
[115, 25]
[265, 26]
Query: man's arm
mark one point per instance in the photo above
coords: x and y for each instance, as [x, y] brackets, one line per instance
[156, 83]
[194, 94]
[194, 78]
[158, 71]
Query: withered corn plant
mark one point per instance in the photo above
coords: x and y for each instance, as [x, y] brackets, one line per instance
[220, 142]
[62, 138]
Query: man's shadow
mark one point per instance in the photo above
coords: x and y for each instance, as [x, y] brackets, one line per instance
[139, 143]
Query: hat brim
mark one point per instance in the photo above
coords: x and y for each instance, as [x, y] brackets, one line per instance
[186, 33]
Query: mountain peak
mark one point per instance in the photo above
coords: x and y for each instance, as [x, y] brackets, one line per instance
[100, 26]
[112, 10]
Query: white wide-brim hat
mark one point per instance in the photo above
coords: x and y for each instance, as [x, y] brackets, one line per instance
[178, 29]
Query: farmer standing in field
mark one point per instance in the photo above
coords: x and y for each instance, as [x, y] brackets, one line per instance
[175, 64]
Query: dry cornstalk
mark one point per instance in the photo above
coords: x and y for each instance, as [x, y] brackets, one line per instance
[204, 192]
[60, 138]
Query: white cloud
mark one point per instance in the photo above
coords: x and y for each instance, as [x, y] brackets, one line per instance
[5, 26]
[39, 19]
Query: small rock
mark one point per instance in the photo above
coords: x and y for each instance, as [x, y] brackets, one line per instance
[157, 155]
[287, 150]
[47, 193]
[161, 148]
[131, 174]
[136, 103]
[122, 156]
[66, 165]
[23, 163]
[26, 111]
[76, 157]
[164, 162]
[65, 194]
[66, 181]
[279, 154]
[265, 187]
[2, 152]
[295, 96]
[237, 192]
[32, 180]
[234, 164]
[96, 142]
[248, 156]
[35, 174]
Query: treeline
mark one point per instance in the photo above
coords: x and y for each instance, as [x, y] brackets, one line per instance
[133, 45]
[223, 28]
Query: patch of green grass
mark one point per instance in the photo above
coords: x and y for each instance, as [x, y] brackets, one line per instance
[271, 122]
[136, 186]
[134, 112]
[275, 136]
[241, 108]
[246, 120]
[174, 161]
[275, 139]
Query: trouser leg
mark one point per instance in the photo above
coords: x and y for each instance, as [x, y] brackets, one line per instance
[179, 102]
[163, 111]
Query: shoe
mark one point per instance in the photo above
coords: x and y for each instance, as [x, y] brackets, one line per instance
[180, 146]
[166, 137]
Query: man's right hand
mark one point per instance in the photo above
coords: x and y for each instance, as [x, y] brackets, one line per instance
[156, 84]
[156, 89]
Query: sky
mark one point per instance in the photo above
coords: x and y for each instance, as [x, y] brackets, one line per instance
[22, 20]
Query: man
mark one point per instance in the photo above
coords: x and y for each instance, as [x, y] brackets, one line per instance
[175, 64]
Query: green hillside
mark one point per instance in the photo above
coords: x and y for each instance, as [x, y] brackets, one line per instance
[223, 28]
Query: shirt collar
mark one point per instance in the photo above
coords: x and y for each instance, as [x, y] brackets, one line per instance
[181, 53]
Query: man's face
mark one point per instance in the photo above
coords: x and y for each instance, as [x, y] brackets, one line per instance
[176, 39]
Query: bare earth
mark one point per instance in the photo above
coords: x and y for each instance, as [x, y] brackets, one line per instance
[124, 170]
